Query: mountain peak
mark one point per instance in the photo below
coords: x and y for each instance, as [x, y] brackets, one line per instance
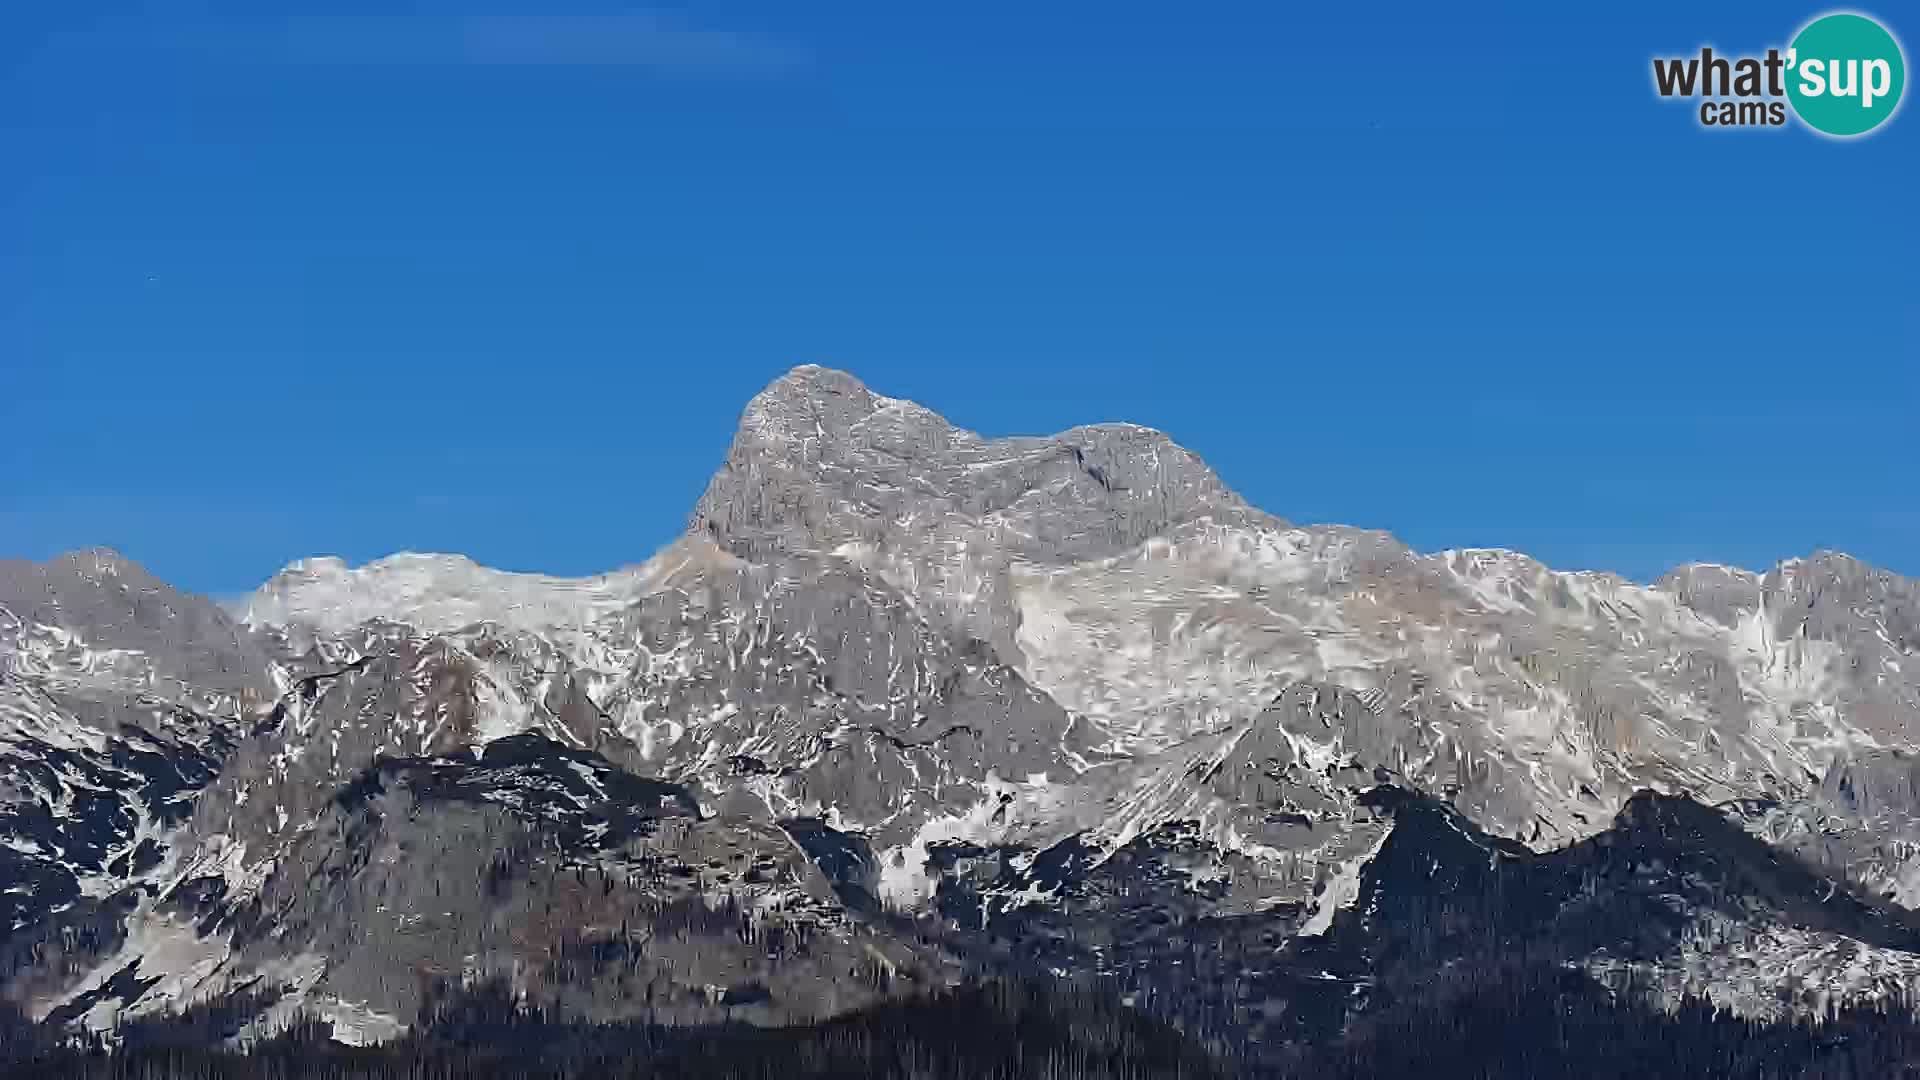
[821, 464]
[91, 562]
[817, 378]
[107, 601]
[820, 460]
[806, 399]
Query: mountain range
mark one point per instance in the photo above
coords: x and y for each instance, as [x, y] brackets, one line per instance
[905, 705]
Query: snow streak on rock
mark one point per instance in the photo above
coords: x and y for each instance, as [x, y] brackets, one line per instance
[897, 664]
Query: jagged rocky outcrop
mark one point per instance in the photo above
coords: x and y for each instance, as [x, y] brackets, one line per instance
[554, 869]
[120, 700]
[821, 464]
[906, 701]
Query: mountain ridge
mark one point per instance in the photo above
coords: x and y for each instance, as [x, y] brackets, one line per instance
[902, 678]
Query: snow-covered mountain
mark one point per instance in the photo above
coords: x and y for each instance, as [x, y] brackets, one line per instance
[1050, 694]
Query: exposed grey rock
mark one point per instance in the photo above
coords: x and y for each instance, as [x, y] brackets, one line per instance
[821, 463]
[112, 603]
[1720, 593]
[816, 684]
[1063, 703]
[120, 700]
[557, 871]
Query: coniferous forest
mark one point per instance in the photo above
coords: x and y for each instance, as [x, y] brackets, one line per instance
[1514, 1020]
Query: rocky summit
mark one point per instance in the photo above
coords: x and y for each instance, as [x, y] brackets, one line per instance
[907, 704]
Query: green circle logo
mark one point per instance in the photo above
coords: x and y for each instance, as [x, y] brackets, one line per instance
[1845, 74]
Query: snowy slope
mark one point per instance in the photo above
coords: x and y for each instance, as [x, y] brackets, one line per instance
[435, 593]
[1070, 685]
[1110, 570]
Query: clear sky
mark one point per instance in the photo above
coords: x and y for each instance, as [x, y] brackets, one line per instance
[273, 287]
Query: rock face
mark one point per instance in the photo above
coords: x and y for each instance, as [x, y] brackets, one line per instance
[906, 701]
[96, 613]
[120, 700]
[558, 869]
[821, 464]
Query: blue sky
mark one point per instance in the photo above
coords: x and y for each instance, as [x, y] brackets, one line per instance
[275, 286]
